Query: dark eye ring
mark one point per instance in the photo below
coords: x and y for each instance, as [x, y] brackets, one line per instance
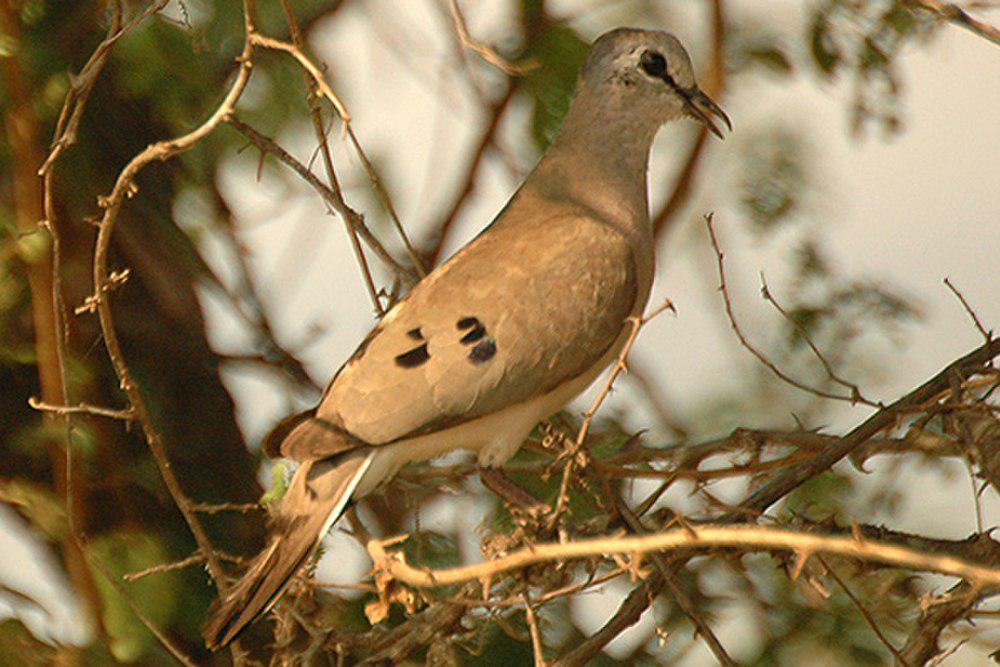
[653, 64]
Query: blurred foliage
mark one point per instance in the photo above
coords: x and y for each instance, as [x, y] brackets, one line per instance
[161, 80]
[159, 595]
[864, 40]
[775, 177]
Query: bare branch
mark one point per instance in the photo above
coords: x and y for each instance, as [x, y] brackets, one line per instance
[485, 52]
[855, 390]
[949, 11]
[937, 613]
[536, 635]
[791, 478]
[704, 536]
[330, 196]
[720, 261]
[82, 409]
[987, 335]
[123, 188]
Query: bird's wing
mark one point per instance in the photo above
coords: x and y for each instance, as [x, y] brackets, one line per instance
[519, 311]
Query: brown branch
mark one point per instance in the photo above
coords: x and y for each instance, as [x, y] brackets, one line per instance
[952, 13]
[81, 409]
[316, 115]
[325, 90]
[676, 590]
[123, 188]
[855, 390]
[987, 335]
[705, 536]
[573, 451]
[193, 559]
[627, 615]
[416, 632]
[160, 636]
[487, 137]
[83, 82]
[536, 635]
[714, 85]
[330, 196]
[938, 612]
[869, 619]
[485, 52]
[760, 356]
[788, 480]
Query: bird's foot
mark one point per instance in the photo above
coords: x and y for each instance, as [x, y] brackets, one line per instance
[497, 481]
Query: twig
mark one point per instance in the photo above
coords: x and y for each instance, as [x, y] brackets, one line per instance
[536, 636]
[955, 15]
[704, 536]
[327, 92]
[256, 39]
[760, 356]
[329, 195]
[855, 390]
[81, 409]
[937, 613]
[83, 82]
[869, 619]
[164, 640]
[193, 559]
[619, 367]
[627, 615]
[485, 52]
[788, 480]
[987, 335]
[215, 508]
[676, 590]
[316, 114]
[124, 186]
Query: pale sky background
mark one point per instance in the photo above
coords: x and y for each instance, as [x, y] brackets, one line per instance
[908, 211]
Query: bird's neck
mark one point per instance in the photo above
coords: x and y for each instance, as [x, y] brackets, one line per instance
[599, 159]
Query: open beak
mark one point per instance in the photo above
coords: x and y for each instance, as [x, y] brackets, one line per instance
[700, 106]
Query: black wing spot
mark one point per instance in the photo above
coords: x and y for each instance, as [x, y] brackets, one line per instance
[467, 323]
[415, 333]
[483, 351]
[477, 332]
[414, 357]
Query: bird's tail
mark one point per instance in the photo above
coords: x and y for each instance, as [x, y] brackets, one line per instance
[319, 493]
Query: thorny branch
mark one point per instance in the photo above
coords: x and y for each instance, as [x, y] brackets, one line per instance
[123, 188]
[332, 197]
[485, 52]
[853, 398]
[951, 12]
[703, 536]
[573, 452]
[855, 390]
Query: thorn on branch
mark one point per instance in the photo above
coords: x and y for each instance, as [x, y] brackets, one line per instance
[82, 409]
[115, 280]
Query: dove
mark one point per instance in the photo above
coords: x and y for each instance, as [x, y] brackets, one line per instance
[503, 334]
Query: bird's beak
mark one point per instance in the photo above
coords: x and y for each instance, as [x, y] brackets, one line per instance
[700, 105]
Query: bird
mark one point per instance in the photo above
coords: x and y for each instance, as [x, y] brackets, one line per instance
[503, 334]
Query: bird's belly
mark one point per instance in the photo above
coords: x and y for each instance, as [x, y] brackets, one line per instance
[494, 437]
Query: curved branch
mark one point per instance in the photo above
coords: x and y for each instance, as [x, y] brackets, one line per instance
[124, 187]
[743, 536]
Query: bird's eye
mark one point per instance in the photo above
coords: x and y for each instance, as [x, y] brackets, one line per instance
[653, 64]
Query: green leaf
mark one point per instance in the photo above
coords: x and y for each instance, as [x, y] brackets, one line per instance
[559, 53]
[123, 552]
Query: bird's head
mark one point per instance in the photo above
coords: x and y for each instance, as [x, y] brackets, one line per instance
[649, 72]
